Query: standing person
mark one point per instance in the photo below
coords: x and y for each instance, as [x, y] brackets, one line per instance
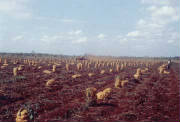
[169, 63]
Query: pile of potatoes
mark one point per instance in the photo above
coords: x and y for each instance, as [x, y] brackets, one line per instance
[120, 83]
[163, 69]
[92, 96]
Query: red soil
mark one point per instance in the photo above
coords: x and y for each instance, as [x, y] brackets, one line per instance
[155, 98]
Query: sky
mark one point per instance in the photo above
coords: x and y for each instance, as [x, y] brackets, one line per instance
[99, 27]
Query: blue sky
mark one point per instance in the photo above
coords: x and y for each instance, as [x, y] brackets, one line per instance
[101, 27]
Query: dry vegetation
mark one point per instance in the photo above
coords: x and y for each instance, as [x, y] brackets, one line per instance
[47, 88]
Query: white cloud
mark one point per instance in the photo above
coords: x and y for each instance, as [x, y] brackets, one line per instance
[164, 15]
[156, 26]
[75, 32]
[141, 22]
[123, 40]
[80, 40]
[140, 47]
[70, 20]
[133, 34]
[56, 37]
[152, 8]
[58, 20]
[163, 11]
[171, 41]
[15, 8]
[173, 38]
[45, 38]
[157, 2]
[76, 36]
[101, 36]
[20, 37]
[161, 2]
[67, 20]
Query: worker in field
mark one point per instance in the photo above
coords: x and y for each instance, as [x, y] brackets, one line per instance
[169, 63]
